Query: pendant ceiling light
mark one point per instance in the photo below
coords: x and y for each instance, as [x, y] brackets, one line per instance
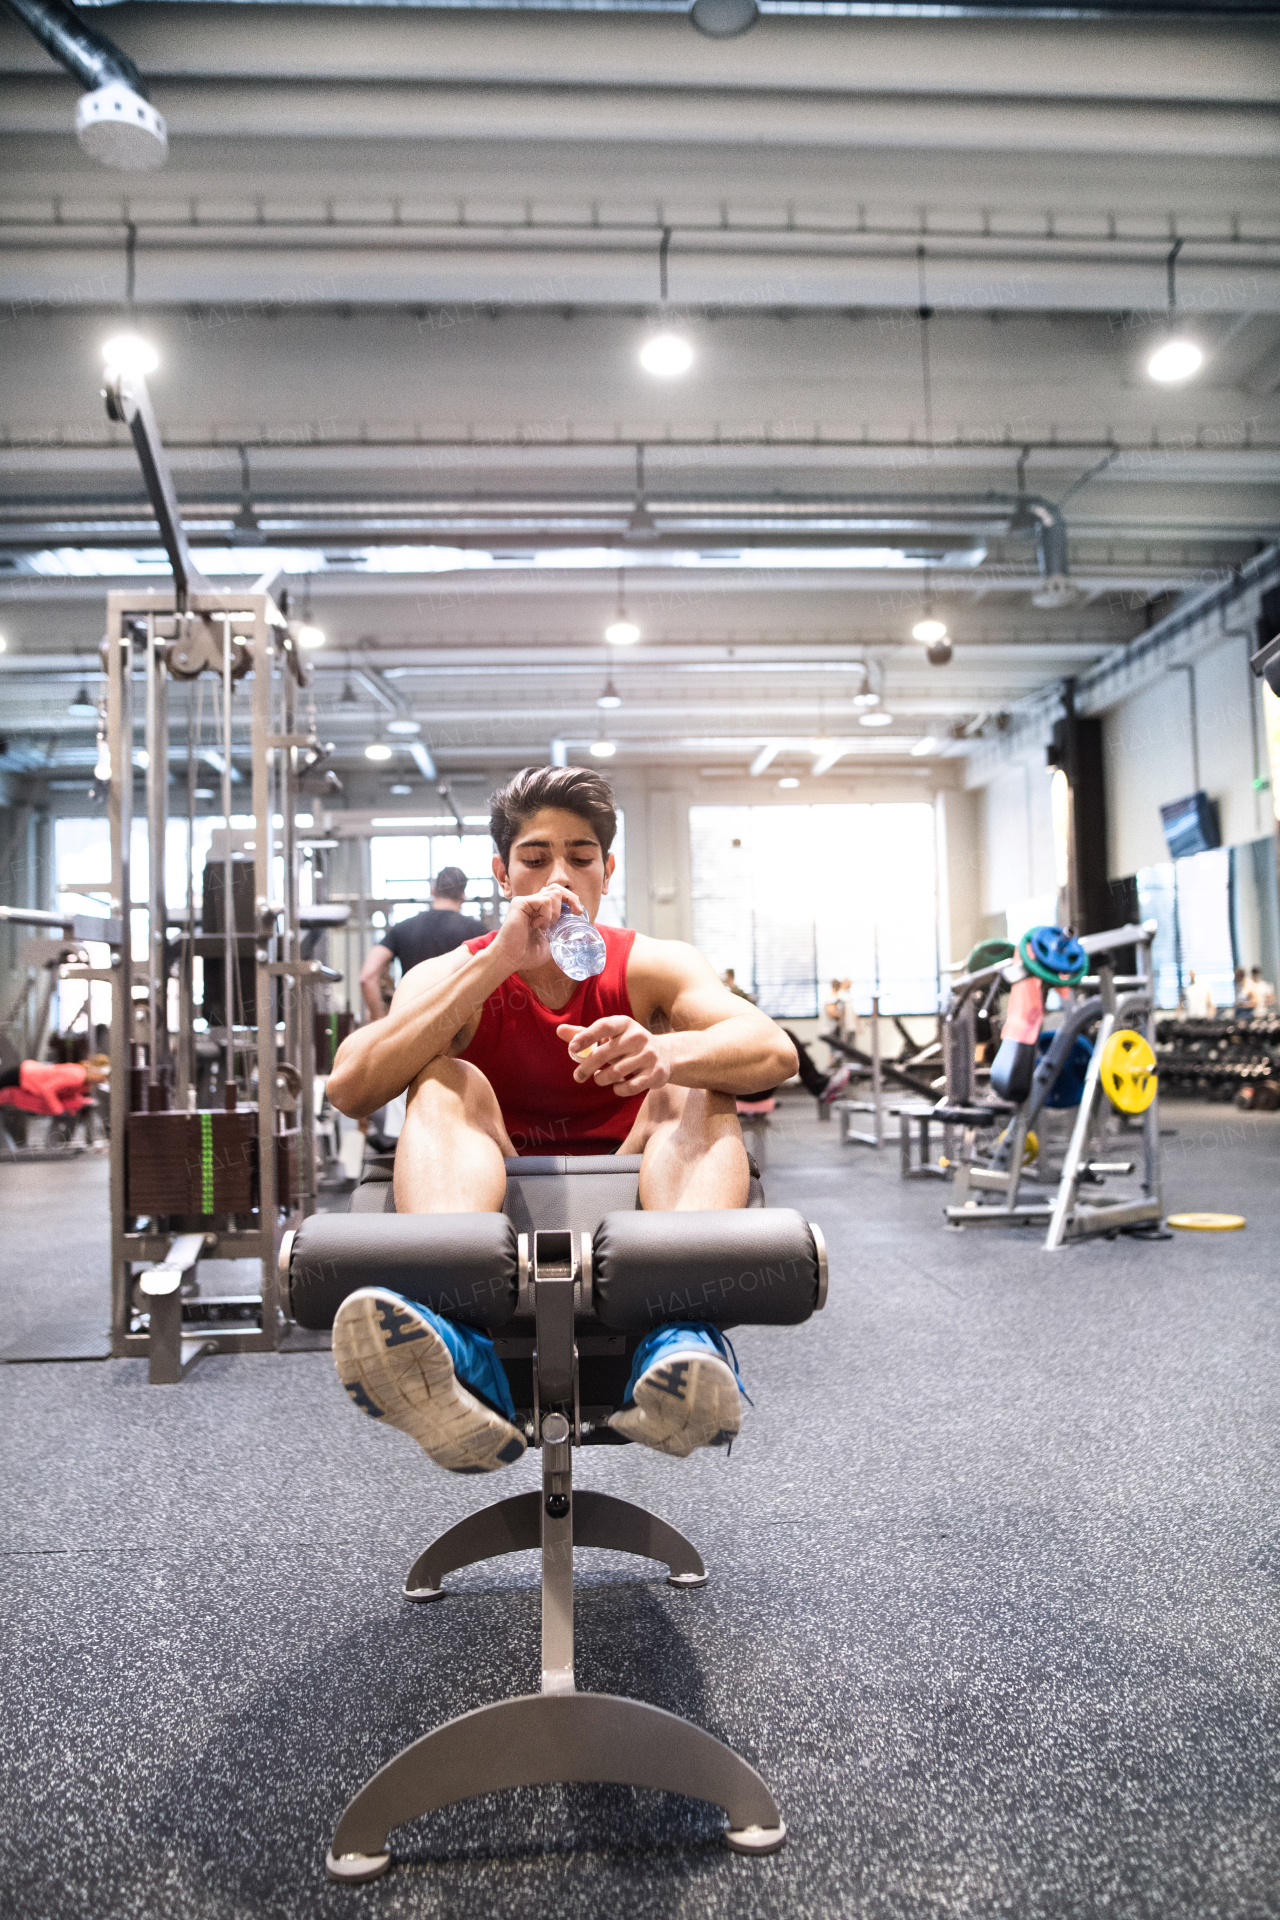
[1177, 356]
[666, 352]
[621, 632]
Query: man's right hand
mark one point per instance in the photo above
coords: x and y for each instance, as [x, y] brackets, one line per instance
[522, 938]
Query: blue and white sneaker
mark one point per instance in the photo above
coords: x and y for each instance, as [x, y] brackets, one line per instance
[685, 1391]
[438, 1382]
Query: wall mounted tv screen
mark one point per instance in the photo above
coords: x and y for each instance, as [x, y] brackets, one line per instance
[1191, 825]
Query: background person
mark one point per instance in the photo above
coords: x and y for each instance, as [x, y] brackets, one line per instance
[1261, 992]
[1199, 998]
[425, 936]
[61, 1092]
[441, 928]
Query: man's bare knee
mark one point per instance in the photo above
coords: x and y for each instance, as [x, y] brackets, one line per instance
[452, 1094]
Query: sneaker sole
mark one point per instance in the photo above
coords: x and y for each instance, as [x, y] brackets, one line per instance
[397, 1369]
[689, 1401]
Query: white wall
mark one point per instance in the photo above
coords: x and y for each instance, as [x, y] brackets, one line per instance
[960, 910]
[1150, 755]
[1016, 834]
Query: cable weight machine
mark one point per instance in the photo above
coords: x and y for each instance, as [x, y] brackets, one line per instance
[192, 1182]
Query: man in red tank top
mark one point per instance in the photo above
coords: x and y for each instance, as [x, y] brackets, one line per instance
[503, 1054]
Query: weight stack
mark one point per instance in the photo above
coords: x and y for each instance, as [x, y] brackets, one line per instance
[185, 1163]
[331, 1030]
[204, 1163]
[287, 1183]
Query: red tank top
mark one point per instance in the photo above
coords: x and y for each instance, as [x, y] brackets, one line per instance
[544, 1109]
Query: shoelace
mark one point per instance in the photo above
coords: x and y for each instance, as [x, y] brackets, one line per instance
[725, 1344]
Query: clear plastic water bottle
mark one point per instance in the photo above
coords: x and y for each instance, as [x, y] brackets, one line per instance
[576, 946]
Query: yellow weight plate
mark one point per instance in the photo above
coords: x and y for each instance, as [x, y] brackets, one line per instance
[1208, 1222]
[1030, 1147]
[1128, 1071]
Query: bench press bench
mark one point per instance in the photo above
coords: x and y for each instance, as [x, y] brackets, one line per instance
[567, 1280]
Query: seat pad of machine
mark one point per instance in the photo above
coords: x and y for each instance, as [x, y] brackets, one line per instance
[733, 1267]
[464, 1265]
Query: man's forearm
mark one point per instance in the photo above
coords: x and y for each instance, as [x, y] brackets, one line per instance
[378, 1061]
[734, 1056]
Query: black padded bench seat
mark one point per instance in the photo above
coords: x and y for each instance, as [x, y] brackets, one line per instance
[538, 1194]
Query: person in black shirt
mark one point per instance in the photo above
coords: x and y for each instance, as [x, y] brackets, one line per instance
[439, 930]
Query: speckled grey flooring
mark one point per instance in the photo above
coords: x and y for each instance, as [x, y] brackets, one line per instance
[996, 1568]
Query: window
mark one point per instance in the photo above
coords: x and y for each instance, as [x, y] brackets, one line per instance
[403, 865]
[794, 897]
[1190, 900]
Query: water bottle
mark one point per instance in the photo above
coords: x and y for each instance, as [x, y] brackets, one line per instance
[576, 946]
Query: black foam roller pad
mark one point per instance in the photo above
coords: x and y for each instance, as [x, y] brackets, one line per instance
[756, 1267]
[462, 1265]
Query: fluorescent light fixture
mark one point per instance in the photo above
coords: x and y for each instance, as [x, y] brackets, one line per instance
[927, 630]
[1175, 360]
[788, 782]
[129, 353]
[377, 750]
[400, 789]
[927, 745]
[878, 719]
[666, 354]
[204, 793]
[602, 749]
[622, 633]
[764, 759]
[310, 637]
[3, 643]
[405, 726]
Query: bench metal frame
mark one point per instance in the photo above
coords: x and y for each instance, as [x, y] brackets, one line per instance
[556, 1734]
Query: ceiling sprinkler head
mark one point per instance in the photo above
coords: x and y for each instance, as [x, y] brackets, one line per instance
[117, 127]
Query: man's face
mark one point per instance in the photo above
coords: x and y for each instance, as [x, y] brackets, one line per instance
[561, 847]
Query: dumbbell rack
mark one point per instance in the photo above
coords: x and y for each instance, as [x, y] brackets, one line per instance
[557, 1734]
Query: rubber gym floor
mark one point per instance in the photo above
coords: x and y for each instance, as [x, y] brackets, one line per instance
[995, 1572]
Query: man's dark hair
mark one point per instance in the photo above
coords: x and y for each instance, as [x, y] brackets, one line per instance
[577, 790]
[450, 883]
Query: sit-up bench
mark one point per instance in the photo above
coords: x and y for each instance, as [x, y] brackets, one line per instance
[567, 1281]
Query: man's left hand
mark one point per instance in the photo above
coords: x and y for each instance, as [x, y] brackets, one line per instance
[617, 1052]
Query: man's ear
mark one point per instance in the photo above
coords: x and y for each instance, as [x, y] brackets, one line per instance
[609, 866]
[500, 875]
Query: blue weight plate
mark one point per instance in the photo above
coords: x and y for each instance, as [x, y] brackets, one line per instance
[1058, 951]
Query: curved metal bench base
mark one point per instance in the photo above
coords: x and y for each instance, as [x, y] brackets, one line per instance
[539, 1738]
